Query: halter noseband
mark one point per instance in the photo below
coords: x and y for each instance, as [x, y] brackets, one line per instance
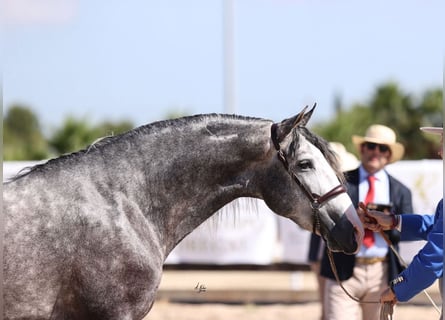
[316, 200]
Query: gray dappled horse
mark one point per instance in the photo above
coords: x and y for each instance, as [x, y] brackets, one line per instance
[86, 234]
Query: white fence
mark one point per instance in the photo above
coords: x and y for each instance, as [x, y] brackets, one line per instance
[252, 234]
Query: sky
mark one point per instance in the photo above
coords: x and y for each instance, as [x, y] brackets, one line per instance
[138, 60]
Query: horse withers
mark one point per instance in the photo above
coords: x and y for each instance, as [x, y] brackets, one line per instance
[86, 234]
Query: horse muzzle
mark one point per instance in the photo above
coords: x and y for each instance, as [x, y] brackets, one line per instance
[347, 234]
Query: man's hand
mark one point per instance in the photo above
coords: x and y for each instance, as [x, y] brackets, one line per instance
[388, 296]
[374, 220]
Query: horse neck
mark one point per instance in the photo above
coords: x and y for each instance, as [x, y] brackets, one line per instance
[177, 175]
[200, 168]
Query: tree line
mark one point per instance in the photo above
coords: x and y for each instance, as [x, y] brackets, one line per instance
[23, 137]
[389, 105]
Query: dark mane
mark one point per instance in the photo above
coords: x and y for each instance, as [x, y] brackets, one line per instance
[323, 146]
[142, 130]
[317, 141]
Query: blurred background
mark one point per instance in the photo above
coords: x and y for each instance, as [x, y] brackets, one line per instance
[77, 70]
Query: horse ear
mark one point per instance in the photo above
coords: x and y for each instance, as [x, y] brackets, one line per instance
[285, 127]
[307, 115]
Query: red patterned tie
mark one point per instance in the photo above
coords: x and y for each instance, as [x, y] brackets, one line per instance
[368, 240]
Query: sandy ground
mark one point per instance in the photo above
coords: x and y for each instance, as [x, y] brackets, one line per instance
[308, 311]
[296, 289]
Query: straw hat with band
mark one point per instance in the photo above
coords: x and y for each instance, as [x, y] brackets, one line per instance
[433, 130]
[380, 134]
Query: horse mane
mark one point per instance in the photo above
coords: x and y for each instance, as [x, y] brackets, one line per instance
[147, 129]
[142, 130]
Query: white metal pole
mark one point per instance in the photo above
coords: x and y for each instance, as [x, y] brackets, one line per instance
[229, 56]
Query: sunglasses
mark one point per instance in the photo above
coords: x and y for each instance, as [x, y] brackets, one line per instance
[372, 146]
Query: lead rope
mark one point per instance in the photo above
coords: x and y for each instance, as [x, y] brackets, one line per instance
[387, 308]
[386, 311]
[404, 264]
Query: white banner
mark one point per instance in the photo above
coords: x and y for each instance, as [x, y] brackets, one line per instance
[425, 180]
[248, 232]
[244, 232]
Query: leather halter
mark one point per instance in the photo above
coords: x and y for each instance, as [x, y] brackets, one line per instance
[316, 200]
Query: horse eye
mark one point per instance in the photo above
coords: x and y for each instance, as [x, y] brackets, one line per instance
[305, 164]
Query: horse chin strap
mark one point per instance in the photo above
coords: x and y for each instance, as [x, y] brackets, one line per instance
[316, 200]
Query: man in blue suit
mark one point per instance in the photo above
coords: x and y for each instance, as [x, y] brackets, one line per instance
[427, 264]
[367, 274]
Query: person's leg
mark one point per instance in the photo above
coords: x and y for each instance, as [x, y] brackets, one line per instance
[377, 282]
[337, 305]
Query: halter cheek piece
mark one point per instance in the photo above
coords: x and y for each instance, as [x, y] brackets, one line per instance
[316, 200]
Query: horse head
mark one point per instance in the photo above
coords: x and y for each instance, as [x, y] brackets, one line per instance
[312, 174]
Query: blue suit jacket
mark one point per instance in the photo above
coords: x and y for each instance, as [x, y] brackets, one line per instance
[427, 264]
[400, 197]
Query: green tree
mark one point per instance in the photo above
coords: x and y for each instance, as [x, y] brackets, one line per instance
[22, 136]
[76, 134]
[430, 114]
[390, 106]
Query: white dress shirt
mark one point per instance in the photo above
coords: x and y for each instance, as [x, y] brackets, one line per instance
[381, 196]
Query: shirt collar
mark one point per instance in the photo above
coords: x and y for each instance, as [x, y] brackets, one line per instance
[379, 175]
